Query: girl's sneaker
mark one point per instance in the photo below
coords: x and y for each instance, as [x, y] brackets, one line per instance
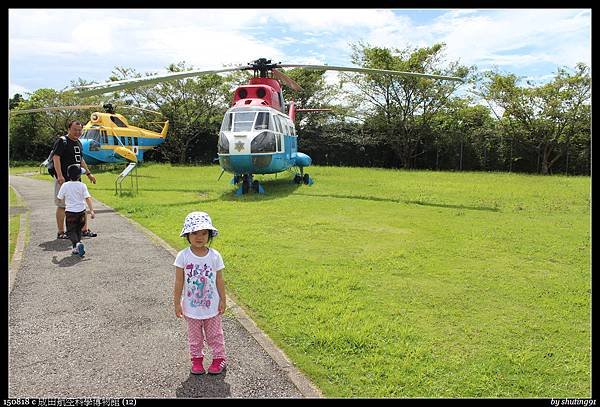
[217, 366]
[197, 367]
[80, 249]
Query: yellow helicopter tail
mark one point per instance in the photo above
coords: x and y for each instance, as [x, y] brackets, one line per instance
[163, 133]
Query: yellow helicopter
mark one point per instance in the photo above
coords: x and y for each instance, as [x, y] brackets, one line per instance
[109, 138]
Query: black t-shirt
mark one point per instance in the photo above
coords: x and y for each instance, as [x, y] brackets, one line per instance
[69, 153]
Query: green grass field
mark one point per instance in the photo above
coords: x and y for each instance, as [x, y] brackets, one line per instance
[386, 283]
[14, 219]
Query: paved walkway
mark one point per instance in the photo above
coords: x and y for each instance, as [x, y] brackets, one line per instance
[103, 325]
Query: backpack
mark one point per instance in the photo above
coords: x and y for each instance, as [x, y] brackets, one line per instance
[49, 162]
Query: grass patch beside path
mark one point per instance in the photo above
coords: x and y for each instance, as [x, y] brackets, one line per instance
[386, 283]
[14, 219]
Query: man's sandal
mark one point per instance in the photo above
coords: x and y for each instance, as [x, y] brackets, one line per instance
[89, 233]
[62, 235]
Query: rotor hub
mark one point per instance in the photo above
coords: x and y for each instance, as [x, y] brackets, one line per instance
[261, 67]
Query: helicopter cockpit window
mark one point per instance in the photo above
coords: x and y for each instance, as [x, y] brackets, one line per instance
[226, 125]
[263, 143]
[262, 121]
[277, 123]
[243, 121]
[96, 138]
[92, 134]
[117, 121]
[223, 146]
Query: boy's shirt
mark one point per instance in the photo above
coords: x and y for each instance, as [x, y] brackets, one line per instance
[74, 194]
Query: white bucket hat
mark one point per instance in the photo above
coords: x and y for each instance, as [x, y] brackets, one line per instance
[197, 221]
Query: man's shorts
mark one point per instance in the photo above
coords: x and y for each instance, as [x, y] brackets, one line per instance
[58, 202]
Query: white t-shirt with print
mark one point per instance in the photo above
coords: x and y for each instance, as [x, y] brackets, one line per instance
[200, 297]
[74, 194]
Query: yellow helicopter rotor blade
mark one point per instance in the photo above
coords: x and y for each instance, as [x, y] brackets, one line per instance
[126, 153]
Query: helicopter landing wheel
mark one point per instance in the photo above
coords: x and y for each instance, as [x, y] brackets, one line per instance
[245, 184]
[255, 186]
[305, 179]
[297, 179]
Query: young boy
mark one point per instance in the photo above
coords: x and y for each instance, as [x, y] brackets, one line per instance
[76, 194]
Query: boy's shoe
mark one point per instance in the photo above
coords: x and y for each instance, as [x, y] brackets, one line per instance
[80, 249]
[217, 366]
[74, 251]
[89, 233]
[197, 367]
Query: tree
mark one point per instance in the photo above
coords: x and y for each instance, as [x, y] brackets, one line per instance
[14, 101]
[31, 135]
[402, 108]
[549, 113]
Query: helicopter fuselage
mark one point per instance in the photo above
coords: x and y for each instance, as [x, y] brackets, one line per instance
[257, 136]
[108, 138]
[258, 140]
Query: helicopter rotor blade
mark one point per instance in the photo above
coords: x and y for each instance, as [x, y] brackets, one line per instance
[98, 89]
[280, 76]
[55, 108]
[126, 153]
[369, 70]
[140, 108]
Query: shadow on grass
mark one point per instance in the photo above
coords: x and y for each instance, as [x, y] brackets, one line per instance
[422, 203]
[274, 189]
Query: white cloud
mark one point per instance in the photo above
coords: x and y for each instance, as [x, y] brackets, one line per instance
[332, 20]
[197, 47]
[514, 36]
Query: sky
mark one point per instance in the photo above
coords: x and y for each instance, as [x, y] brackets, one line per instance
[50, 48]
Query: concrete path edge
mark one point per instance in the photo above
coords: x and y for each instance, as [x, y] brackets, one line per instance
[15, 263]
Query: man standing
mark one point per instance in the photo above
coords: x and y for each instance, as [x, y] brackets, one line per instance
[65, 154]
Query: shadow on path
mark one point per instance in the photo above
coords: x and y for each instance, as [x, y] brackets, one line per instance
[56, 245]
[69, 261]
[204, 386]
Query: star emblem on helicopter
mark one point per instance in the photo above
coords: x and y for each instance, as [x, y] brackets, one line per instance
[239, 146]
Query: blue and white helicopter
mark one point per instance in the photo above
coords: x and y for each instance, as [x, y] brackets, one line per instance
[258, 135]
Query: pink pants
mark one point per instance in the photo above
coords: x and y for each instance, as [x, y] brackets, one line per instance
[209, 329]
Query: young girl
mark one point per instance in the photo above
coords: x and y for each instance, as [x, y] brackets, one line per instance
[76, 194]
[199, 275]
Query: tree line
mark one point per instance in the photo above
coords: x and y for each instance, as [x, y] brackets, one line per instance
[493, 121]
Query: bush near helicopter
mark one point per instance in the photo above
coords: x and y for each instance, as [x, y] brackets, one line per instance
[257, 135]
[108, 137]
